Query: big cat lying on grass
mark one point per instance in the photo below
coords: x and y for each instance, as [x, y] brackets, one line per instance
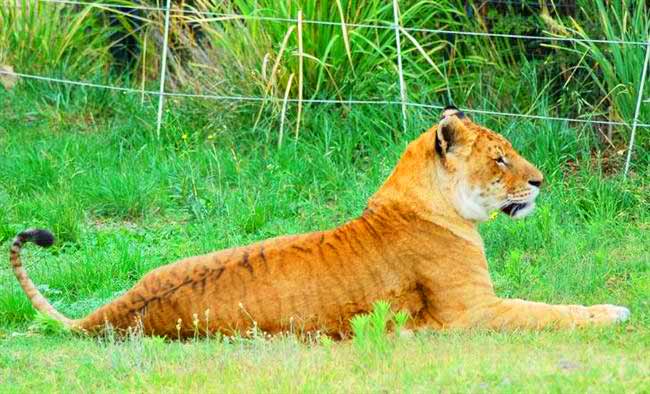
[416, 245]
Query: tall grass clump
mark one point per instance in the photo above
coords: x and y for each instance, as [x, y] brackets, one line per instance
[258, 49]
[351, 54]
[53, 39]
[613, 69]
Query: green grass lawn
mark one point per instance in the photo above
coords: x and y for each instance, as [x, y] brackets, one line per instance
[612, 361]
[122, 202]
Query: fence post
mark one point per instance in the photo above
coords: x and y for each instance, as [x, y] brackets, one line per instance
[402, 86]
[163, 71]
[635, 121]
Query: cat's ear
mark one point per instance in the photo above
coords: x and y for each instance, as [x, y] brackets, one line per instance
[450, 131]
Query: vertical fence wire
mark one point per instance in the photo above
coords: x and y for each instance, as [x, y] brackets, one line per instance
[301, 56]
[163, 70]
[398, 44]
[635, 121]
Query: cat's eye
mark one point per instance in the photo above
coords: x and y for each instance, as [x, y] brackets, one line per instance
[500, 160]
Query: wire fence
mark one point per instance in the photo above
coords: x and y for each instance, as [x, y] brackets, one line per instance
[396, 26]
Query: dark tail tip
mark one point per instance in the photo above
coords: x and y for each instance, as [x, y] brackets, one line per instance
[40, 237]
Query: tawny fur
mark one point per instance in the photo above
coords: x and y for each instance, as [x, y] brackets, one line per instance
[416, 245]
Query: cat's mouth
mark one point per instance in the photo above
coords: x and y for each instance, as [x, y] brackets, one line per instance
[513, 208]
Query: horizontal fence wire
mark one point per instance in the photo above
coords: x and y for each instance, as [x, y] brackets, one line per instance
[99, 5]
[505, 2]
[193, 15]
[218, 16]
[316, 101]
